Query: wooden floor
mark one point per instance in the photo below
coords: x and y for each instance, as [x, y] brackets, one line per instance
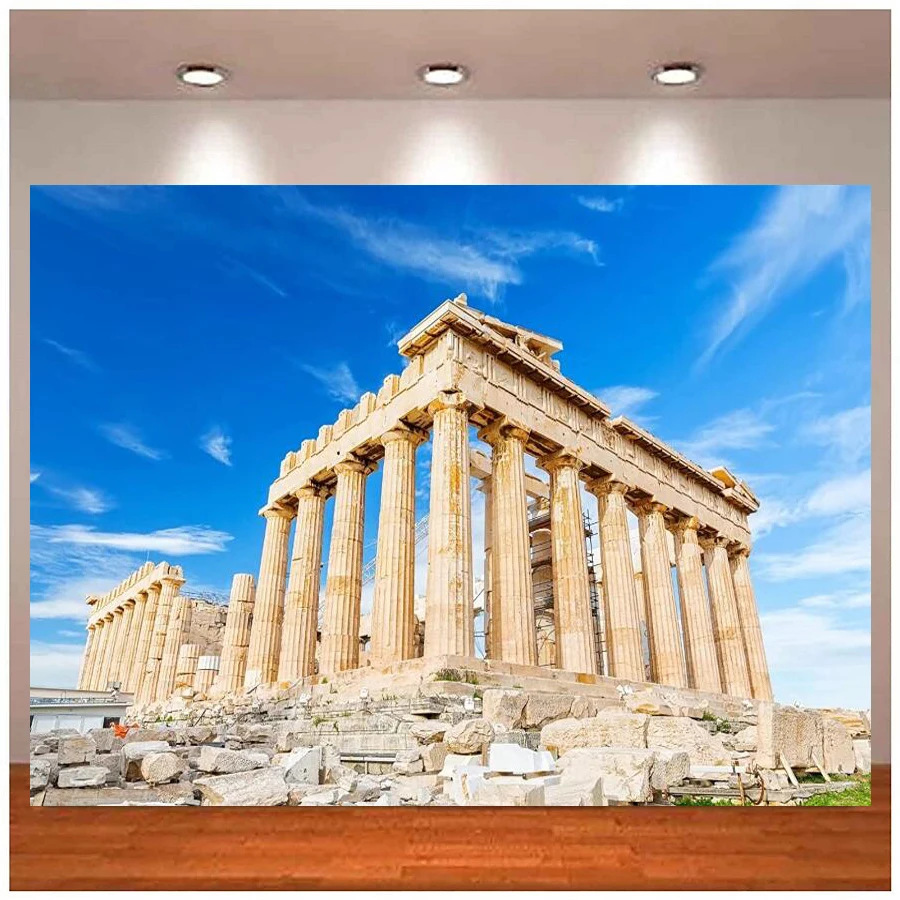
[688, 848]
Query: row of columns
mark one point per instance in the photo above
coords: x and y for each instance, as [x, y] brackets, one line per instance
[715, 644]
[137, 643]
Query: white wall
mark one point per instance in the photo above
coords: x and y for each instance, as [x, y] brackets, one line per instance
[451, 142]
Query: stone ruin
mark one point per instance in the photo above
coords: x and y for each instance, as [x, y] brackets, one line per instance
[598, 684]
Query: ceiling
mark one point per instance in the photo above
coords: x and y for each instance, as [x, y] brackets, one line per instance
[374, 54]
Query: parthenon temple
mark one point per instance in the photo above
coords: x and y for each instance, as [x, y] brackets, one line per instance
[685, 616]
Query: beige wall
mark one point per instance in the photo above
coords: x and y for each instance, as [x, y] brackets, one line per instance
[446, 141]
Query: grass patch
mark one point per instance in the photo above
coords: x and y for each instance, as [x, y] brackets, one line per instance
[706, 801]
[860, 795]
[456, 675]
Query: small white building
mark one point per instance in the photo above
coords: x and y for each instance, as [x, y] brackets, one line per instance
[52, 708]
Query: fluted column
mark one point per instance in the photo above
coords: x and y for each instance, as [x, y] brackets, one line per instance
[116, 660]
[131, 641]
[513, 635]
[343, 584]
[268, 611]
[150, 682]
[301, 605]
[186, 667]
[84, 671]
[142, 651]
[700, 653]
[236, 638]
[90, 676]
[179, 624]
[393, 605]
[748, 614]
[106, 648]
[449, 612]
[621, 611]
[487, 489]
[575, 649]
[725, 618]
[664, 633]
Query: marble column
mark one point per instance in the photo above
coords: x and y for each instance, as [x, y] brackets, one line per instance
[343, 584]
[84, 671]
[236, 639]
[150, 687]
[179, 624]
[142, 651]
[268, 611]
[575, 650]
[207, 672]
[621, 610]
[116, 661]
[99, 650]
[700, 653]
[186, 667]
[449, 602]
[106, 648]
[513, 636]
[487, 489]
[748, 614]
[138, 604]
[90, 675]
[663, 630]
[725, 618]
[301, 604]
[393, 605]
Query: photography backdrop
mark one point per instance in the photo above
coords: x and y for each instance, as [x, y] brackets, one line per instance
[449, 142]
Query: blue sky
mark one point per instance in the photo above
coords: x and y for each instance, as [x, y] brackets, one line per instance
[184, 338]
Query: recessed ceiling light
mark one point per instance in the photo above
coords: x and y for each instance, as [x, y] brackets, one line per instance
[443, 74]
[677, 74]
[205, 76]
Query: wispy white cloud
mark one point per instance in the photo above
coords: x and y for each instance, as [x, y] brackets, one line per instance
[599, 203]
[33, 477]
[128, 438]
[85, 499]
[624, 398]
[76, 356]
[338, 381]
[394, 332]
[801, 229]
[842, 600]
[55, 664]
[217, 444]
[184, 540]
[742, 429]
[847, 434]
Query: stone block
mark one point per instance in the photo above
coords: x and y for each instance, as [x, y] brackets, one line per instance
[52, 738]
[219, 761]
[837, 748]
[434, 756]
[143, 735]
[302, 765]
[133, 753]
[106, 740]
[408, 762]
[160, 768]
[428, 732]
[368, 788]
[515, 760]
[576, 787]
[256, 787]
[165, 795]
[543, 708]
[625, 772]
[744, 740]
[77, 751]
[39, 770]
[81, 776]
[469, 736]
[856, 722]
[785, 730]
[862, 753]
[683, 733]
[504, 707]
[669, 769]
[454, 761]
[331, 796]
[462, 782]
[610, 728]
[494, 792]
[112, 762]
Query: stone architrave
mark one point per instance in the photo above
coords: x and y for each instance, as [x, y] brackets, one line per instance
[168, 591]
[393, 605]
[666, 656]
[301, 604]
[343, 585]
[620, 601]
[513, 637]
[142, 651]
[449, 612]
[726, 621]
[748, 613]
[575, 649]
[265, 634]
[178, 627]
[236, 639]
[696, 620]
